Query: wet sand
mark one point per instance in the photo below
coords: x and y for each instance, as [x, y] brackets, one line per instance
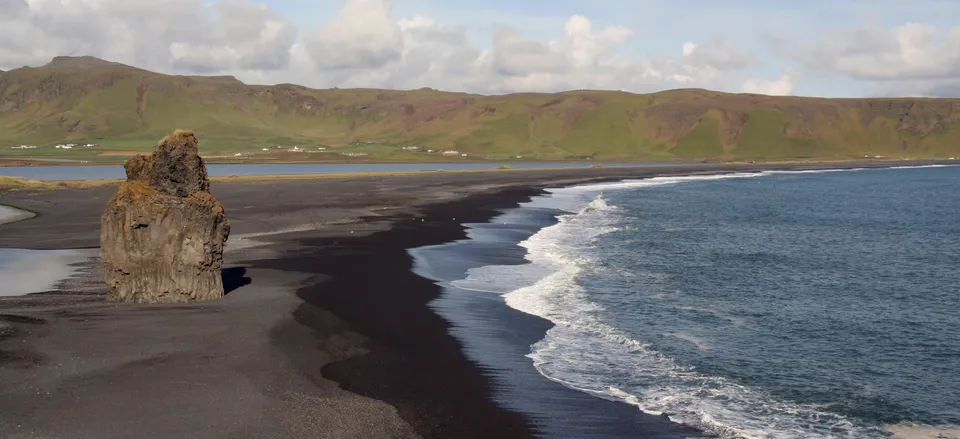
[325, 331]
[915, 431]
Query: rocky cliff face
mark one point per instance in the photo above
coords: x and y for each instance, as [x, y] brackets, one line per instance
[162, 235]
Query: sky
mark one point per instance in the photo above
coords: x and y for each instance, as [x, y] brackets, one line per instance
[827, 48]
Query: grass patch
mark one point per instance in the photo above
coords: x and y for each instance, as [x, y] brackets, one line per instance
[126, 110]
[17, 183]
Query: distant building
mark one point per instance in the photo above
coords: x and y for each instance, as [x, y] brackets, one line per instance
[411, 148]
[451, 152]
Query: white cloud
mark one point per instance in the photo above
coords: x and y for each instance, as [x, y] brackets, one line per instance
[717, 55]
[586, 48]
[909, 51]
[782, 86]
[180, 35]
[581, 56]
[364, 45]
[238, 34]
[910, 59]
[362, 36]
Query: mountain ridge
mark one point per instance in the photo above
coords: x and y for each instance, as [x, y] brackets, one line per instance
[86, 98]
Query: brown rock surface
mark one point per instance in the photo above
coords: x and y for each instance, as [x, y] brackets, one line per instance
[138, 167]
[162, 234]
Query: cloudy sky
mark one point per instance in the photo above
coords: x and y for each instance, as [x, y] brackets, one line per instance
[831, 48]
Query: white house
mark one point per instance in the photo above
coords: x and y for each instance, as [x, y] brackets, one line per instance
[451, 152]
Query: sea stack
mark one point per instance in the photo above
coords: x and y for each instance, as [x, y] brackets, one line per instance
[162, 234]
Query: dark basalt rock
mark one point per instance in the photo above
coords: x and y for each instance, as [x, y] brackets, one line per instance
[138, 167]
[177, 168]
[162, 234]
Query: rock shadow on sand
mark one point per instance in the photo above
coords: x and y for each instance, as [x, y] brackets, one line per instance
[234, 278]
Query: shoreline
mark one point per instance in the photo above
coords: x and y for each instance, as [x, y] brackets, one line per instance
[413, 359]
[10, 214]
[331, 311]
[412, 363]
[14, 162]
[499, 337]
[11, 184]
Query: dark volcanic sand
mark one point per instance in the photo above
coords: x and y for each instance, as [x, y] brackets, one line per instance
[325, 333]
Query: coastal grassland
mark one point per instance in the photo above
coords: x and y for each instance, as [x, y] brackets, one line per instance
[17, 183]
[124, 110]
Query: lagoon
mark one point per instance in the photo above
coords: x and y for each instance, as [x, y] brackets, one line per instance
[69, 172]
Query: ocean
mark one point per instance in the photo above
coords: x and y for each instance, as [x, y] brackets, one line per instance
[810, 304]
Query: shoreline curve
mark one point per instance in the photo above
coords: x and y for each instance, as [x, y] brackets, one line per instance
[10, 214]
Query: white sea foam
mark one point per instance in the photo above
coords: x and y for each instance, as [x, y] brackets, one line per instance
[584, 351]
[924, 166]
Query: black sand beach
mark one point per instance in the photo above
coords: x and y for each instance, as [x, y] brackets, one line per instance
[325, 331]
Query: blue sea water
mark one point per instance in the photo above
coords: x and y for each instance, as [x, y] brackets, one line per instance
[766, 305]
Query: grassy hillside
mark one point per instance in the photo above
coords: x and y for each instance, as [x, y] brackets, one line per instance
[124, 109]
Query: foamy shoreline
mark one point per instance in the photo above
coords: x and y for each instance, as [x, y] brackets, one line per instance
[910, 430]
[537, 300]
[271, 208]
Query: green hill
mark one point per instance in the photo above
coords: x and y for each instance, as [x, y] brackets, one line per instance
[123, 108]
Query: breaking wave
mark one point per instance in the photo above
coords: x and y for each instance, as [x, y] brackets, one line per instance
[585, 349]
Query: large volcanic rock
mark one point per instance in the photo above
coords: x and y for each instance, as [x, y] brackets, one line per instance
[162, 234]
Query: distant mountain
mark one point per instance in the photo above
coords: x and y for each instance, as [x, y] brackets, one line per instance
[80, 62]
[85, 98]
